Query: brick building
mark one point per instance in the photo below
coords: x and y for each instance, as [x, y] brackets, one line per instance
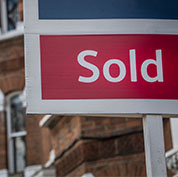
[40, 145]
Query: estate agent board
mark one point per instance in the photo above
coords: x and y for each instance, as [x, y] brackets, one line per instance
[102, 57]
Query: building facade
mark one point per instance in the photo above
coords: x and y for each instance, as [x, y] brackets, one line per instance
[24, 146]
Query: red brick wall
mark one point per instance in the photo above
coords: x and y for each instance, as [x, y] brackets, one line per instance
[33, 141]
[104, 126]
[127, 166]
[167, 134]
[97, 150]
[101, 145]
[37, 141]
[12, 65]
[46, 144]
[124, 166]
[65, 132]
[3, 152]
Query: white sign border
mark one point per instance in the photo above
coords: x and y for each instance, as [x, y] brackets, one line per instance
[99, 26]
[82, 107]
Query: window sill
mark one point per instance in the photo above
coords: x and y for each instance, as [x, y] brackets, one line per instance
[14, 33]
[18, 134]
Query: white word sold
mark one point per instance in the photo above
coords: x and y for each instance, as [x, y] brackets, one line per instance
[121, 65]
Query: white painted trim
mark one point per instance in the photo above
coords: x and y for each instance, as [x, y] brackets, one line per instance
[174, 132]
[18, 134]
[171, 152]
[10, 134]
[3, 12]
[31, 170]
[105, 26]
[39, 174]
[44, 120]
[46, 172]
[101, 106]
[3, 173]
[88, 175]
[9, 140]
[51, 159]
[23, 98]
[14, 33]
[1, 101]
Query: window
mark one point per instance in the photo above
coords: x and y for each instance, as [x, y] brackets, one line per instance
[16, 133]
[11, 14]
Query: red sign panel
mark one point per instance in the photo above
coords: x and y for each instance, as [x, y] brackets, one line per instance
[109, 67]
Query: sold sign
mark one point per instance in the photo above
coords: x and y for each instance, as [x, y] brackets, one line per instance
[102, 57]
[109, 67]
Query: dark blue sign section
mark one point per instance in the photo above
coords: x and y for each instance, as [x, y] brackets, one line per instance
[108, 9]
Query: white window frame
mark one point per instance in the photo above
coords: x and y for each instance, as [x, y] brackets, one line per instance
[4, 20]
[10, 134]
[1, 101]
[88, 175]
[174, 132]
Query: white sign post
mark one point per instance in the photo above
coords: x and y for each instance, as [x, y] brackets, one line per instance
[154, 146]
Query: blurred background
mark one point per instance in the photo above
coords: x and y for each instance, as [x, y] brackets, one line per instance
[51, 145]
